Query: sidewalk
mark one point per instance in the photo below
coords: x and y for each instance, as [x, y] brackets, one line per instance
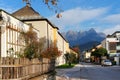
[69, 74]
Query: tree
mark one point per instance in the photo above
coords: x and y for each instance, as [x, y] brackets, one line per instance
[66, 57]
[33, 45]
[98, 53]
[47, 2]
[77, 50]
[70, 58]
[73, 58]
[51, 4]
[51, 53]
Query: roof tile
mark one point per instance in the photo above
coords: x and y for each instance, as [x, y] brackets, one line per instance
[27, 13]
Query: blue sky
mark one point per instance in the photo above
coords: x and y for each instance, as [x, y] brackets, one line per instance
[77, 15]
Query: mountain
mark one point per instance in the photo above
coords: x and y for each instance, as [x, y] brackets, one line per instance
[85, 40]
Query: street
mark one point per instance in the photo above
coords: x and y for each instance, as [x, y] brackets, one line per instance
[88, 71]
[69, 74]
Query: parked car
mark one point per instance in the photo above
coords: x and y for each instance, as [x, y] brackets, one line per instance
[106, 63]
[87, 60]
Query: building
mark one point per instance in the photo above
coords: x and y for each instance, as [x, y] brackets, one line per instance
[72, 51]
[12, 24]
[46, 29]
[87, 56]
[112, 44]
[63, 46]
[10, 31]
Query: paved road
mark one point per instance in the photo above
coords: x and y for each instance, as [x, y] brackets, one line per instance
[87, 71]
[69, 74]
[97, 72]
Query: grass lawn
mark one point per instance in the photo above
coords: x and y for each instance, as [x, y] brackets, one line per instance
[65, 66]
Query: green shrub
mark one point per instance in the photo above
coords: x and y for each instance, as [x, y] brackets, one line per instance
[64, 66]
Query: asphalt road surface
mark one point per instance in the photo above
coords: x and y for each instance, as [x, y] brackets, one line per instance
[97, 72]
[86, 71]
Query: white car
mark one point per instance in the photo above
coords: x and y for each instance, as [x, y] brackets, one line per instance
[106, 63]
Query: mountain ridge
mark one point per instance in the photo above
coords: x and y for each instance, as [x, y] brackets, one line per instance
[83, 38]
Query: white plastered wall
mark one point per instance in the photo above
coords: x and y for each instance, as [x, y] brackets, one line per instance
[45, 30]
[8, 20]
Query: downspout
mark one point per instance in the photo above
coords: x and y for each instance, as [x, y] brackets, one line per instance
[0, 37]
[1, 21]
[63, 51]
[47, 36]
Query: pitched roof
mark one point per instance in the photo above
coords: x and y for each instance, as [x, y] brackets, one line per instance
[113, 35]
[27, 13]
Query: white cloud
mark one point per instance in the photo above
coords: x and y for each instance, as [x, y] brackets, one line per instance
[112, 29]
[115, 18]
[77, 15]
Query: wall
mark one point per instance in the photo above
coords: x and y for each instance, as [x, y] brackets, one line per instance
[10, 27]
[45, 31]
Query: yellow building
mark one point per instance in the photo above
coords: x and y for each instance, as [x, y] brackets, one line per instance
[63, 46]
[72, 51]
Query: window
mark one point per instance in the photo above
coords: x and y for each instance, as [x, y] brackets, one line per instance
[112, 45]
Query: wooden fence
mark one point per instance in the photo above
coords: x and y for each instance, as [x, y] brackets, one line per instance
[23, 69]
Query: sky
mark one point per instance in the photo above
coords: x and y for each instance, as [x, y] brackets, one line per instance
[77, 15]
